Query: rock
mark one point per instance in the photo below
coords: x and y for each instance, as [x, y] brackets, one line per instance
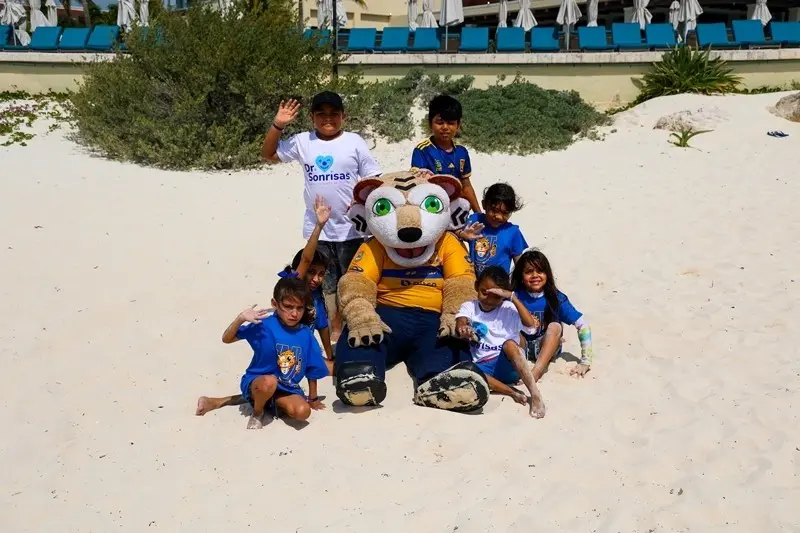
[702, 118]
[788, 107]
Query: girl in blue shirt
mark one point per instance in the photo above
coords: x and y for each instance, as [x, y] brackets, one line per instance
[535, 286]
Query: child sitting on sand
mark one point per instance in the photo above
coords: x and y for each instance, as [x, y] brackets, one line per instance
[284, 352]
[310, 265]
[492, 324]
[535, 287]
[493, 240]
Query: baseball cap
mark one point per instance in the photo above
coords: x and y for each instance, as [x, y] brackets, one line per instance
[326, 97]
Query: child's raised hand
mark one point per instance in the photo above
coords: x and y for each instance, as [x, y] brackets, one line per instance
[472, 231]
[316, 405]
[287, 112]
[251, 314]
[322, 210]
[497, 291]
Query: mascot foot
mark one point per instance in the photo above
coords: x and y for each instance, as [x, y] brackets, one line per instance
[358, 385]
[461, 388]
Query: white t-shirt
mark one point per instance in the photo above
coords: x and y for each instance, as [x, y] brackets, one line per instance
[331, 169]
[493, 328]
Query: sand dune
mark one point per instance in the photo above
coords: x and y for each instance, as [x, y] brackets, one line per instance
[117, 282]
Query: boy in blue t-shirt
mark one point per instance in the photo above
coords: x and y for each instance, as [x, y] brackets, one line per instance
[440, 154]
[493, 240]
[284, 352]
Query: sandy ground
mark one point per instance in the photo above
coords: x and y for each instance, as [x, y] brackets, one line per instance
[117, 282]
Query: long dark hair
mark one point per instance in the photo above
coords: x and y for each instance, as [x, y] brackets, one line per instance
[538, 261]
[320, 258]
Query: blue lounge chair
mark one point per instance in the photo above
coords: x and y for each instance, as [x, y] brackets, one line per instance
[627, 36]
[785, 33]
[73, 39]
[361, 40]
[714, 35]
[510, 39]
[749, 32]
[5, 34]
[474, 40]
[324, 36]
[544, 39]
[103, 38]
[394, 39]
[44, 38]
[425, 40]
[593, 38]
[660, 35]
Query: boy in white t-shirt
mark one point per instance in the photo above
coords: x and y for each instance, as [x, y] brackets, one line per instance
[333, 161]
[492, 324]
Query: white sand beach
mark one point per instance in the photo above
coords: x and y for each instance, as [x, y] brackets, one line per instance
[117, 281]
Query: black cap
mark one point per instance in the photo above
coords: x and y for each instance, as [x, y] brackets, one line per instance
[327, 97]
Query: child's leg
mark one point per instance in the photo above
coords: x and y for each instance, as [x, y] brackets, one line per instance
[513, 353]
[261, 390]
[294, 405]
[550, 345]
[206, 404]
[499, 387]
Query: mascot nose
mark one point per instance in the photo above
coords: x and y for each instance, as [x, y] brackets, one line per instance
[409, 234]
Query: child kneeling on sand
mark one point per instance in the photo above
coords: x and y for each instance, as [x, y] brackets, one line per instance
[284, 352]
[492, 324]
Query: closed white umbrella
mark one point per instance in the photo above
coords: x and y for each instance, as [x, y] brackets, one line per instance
[688, 13]
[324, 13]
[126, 14]
[413, 13]
[568, 15]
[502, 14]
[341, 14]
[37, 18]
[674, 9]
[13, 14]
[641, 14]
[452, 13]
[144, 13]
[761, 12]
[591, 15]
[525, 18]
[52, 13]
[428, 18]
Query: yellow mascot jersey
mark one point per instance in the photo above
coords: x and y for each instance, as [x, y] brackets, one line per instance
[420, 286]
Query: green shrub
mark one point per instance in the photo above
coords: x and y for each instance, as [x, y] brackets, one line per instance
[202, 91]
[684, 70]
[523, 118]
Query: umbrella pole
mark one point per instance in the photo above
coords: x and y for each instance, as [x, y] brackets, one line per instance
[446, 27]
[335, 42]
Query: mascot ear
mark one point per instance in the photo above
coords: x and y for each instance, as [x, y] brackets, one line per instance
[449, 184]
[363, 188]
[459, 213]
[358, 216]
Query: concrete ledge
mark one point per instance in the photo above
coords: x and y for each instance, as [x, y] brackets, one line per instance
[558, 58]
[54, 58]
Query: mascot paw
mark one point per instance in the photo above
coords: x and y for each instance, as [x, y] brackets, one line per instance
[461, 388]
[447, 325]
[357, 384]
[370, 332]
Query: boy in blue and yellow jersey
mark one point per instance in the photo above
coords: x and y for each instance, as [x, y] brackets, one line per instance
[440, 154]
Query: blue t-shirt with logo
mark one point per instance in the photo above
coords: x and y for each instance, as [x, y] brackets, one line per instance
[453, 163]
[537, 304]
[496, 246]
[289, 354]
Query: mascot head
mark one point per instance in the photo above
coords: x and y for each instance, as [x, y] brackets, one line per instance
[408, 212]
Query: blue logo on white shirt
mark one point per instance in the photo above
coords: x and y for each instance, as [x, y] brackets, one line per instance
[480, 329]
[324, 162]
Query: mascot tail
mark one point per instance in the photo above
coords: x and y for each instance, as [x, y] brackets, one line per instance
[461, 388]
[357, 384]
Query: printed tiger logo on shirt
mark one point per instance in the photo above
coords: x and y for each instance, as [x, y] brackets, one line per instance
[290, 362]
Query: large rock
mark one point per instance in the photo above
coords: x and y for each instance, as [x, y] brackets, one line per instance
[788, 107]
[702, 118]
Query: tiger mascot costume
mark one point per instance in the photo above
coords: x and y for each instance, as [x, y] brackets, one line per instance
[401, 292]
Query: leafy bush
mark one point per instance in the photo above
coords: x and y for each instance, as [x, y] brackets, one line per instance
[684, 70]
[202, 90]
[523, 118]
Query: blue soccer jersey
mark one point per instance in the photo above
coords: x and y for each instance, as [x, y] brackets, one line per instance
[537, 304]
[289, 354]
[495, 246]
[454, 163]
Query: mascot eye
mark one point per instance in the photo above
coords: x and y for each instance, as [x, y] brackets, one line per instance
[432, 204]
[382, 207]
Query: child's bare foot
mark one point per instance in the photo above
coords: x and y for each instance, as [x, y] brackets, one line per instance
[537, 407]
[254, 422]
[519, 397]
[204, 405]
